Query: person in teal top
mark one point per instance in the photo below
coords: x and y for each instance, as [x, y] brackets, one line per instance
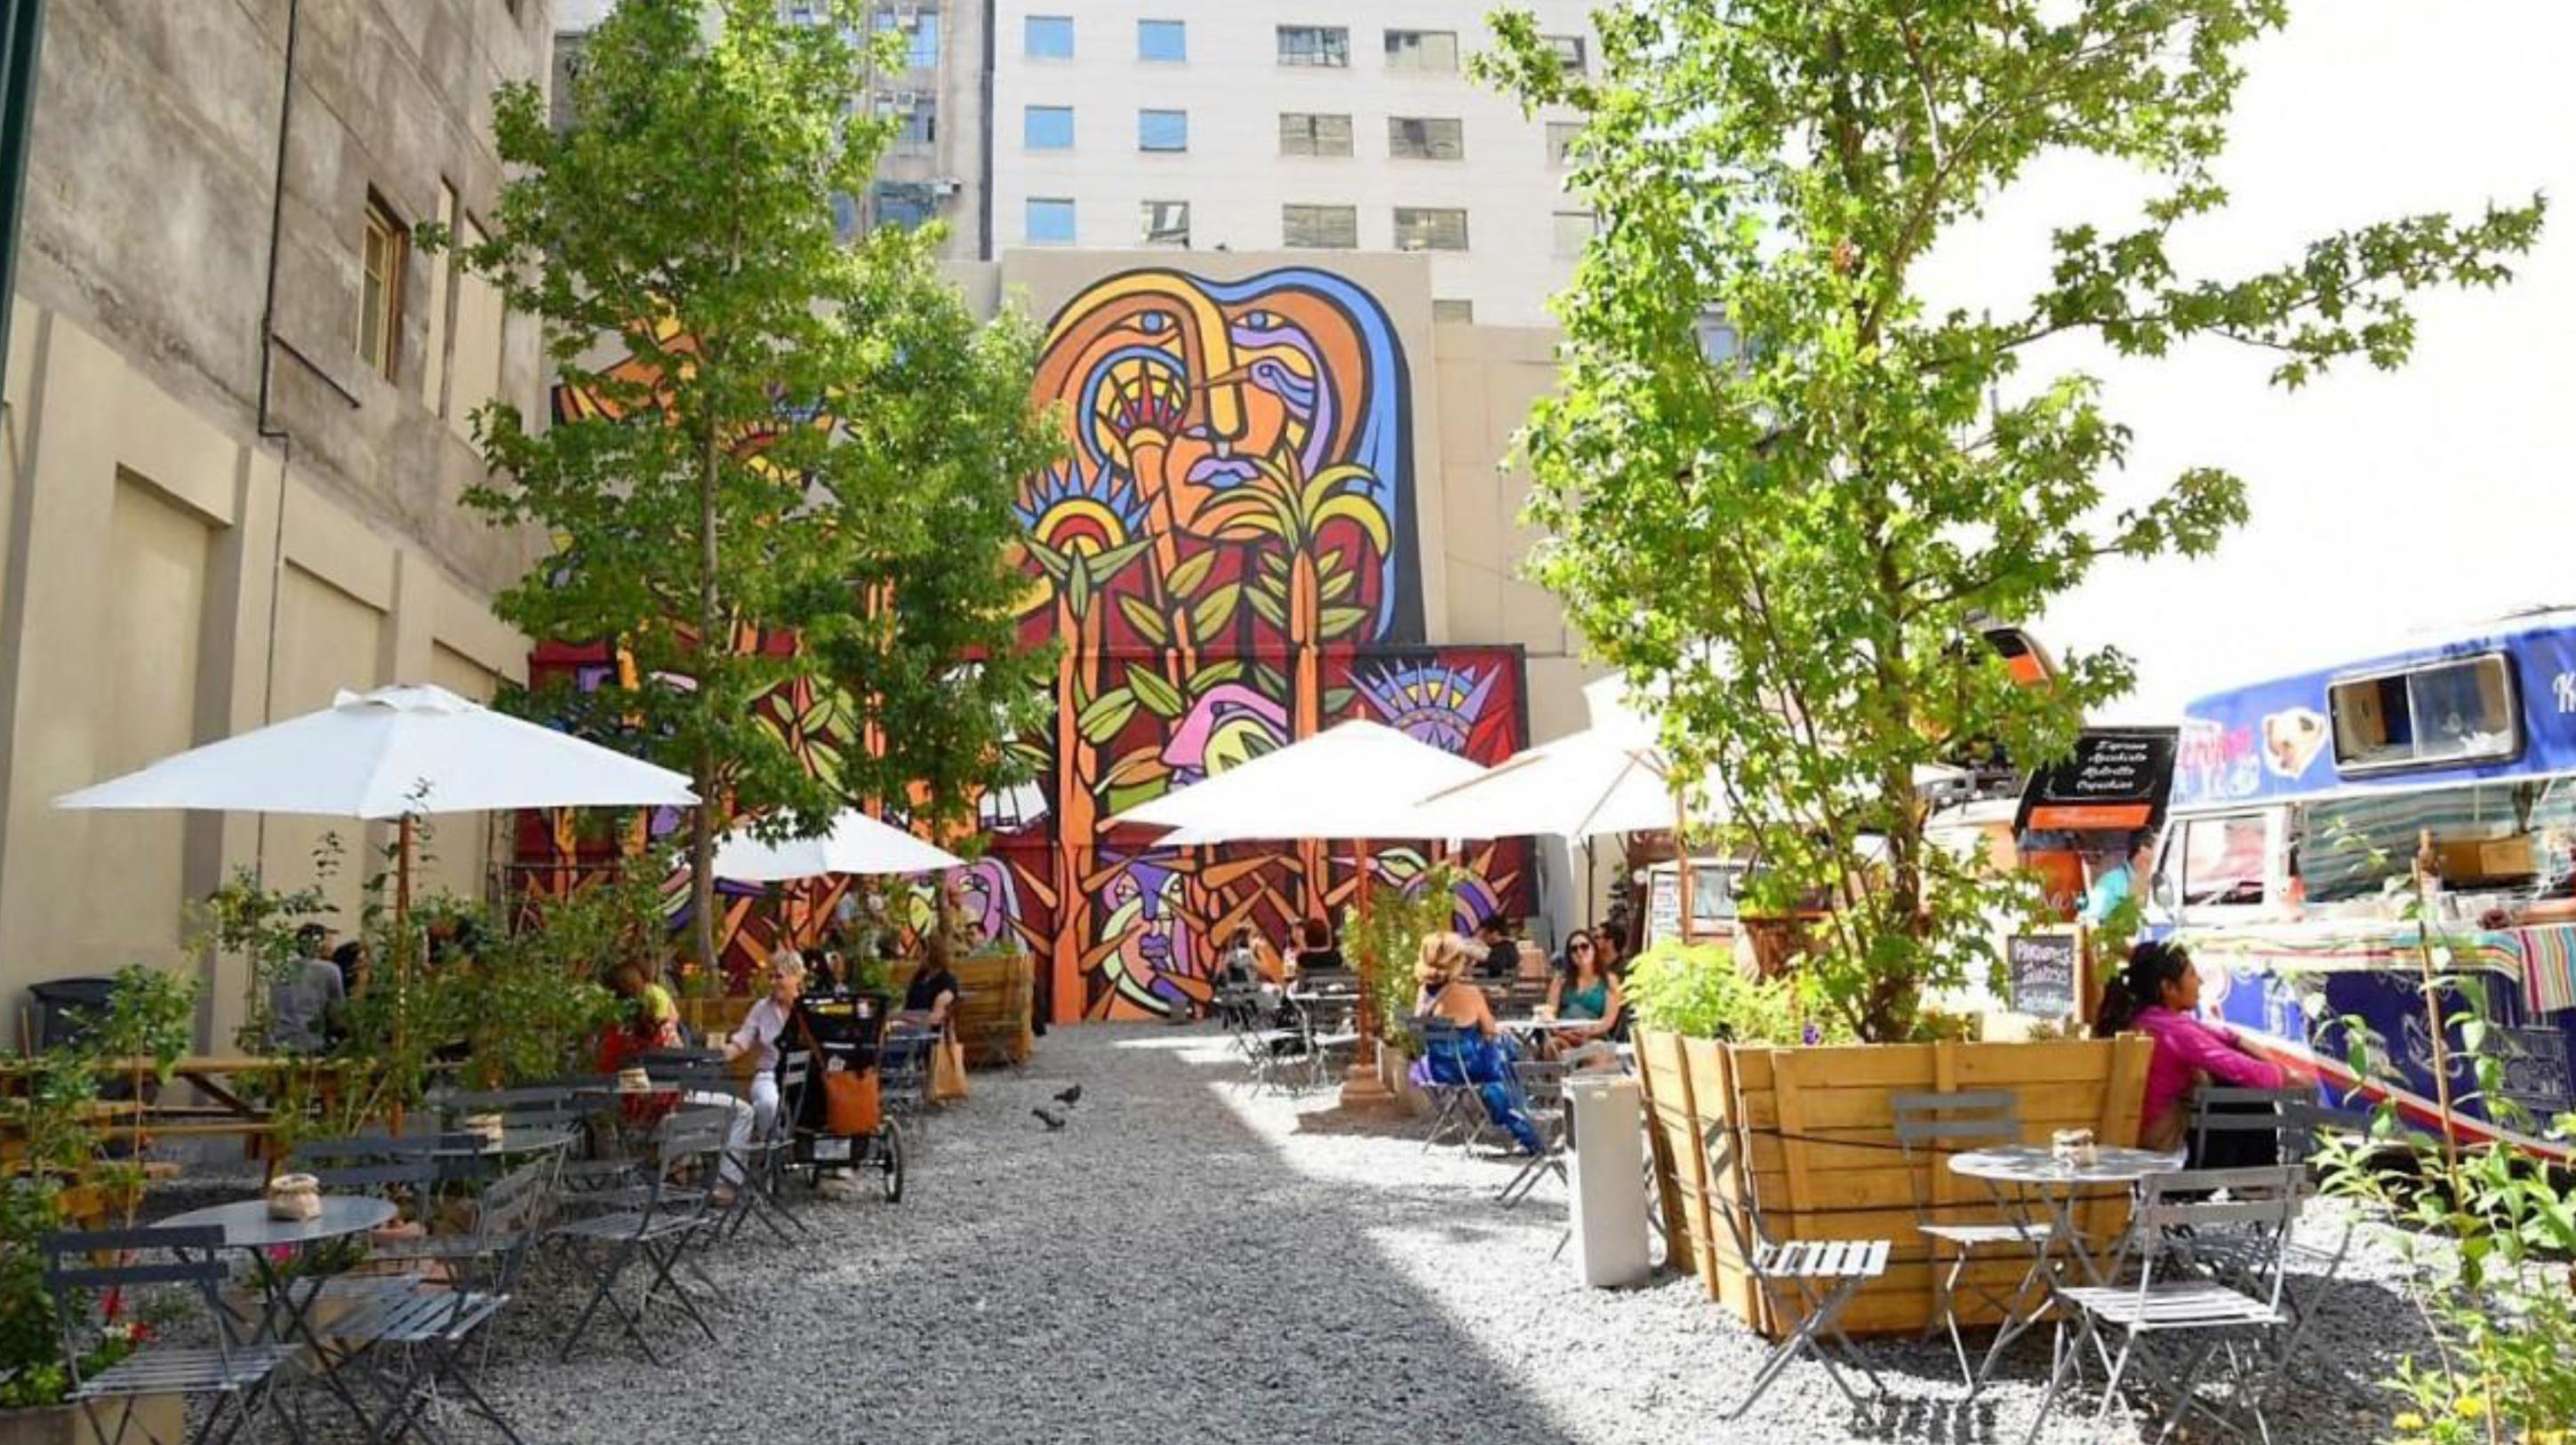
[2119, 879]
[1584, 994]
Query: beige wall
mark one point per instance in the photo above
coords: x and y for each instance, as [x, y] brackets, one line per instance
[144, 560]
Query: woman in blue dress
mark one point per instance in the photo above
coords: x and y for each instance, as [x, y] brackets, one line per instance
[1483, 1057]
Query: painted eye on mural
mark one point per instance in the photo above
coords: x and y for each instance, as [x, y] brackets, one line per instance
[1261, 320]
[1154, 323]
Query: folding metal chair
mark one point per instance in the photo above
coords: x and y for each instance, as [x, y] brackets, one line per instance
[1332, 1032]
[242, 1374]
[1455, 1104]
[1541, 1085]
[1930, 1127]
[416, 1341]
[2222, 1121]
[2172, 1230]
[655, 1231]
[1804, 1283]
[903, 1070]
[764, 1187]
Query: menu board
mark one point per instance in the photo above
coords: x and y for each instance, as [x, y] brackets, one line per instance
[2040, 971]
[2117, 781]
[1664, 906]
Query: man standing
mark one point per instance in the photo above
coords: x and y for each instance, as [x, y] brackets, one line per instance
[304, 1002]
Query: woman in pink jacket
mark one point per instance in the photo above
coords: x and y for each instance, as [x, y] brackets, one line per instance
[2158, 994]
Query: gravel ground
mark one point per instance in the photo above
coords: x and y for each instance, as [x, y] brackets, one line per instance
[1185, 1262]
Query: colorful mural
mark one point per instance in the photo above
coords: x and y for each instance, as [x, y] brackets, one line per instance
[1228, 556]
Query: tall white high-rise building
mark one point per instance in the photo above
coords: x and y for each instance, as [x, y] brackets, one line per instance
[1308, 124]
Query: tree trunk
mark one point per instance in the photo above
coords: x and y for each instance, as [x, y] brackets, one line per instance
[702, 819]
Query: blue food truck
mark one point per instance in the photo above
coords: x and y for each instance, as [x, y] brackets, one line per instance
[2301, 809]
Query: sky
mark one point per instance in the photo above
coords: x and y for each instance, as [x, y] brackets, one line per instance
[2383, 504]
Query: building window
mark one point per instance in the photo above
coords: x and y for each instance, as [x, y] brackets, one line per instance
[1425, 138]
[1574, 230]
[1047, 128]
[1162, 130]
[1048, 37]
[1717, 340]
[1571, 51]
[1314, 135]
[1461, 311]
[1422, 50]
[916, 118]
[1050, 221]
[920, 36]
[1430, 228]
[380, 286]
[1162, 40]
[1166, 223]
[1322, 45]
[904, 205]
[1329, 228]
[1560, 140]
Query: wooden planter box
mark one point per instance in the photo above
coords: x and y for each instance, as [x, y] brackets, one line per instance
[1824, 1162]
[156, 1417]
[996, 1016]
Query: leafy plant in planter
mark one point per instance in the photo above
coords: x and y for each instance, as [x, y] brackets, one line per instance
[1384, 945]
[1789, 487]
[1697, 991]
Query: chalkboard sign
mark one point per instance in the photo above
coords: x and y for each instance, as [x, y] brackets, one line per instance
[2041, 972]
[2117, 781]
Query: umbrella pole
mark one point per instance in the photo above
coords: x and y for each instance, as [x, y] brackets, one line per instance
[402, 945]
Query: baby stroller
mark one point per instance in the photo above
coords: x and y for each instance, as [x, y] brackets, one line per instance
[845, 1033]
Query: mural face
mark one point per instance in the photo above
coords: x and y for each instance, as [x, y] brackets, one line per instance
[1227, 558]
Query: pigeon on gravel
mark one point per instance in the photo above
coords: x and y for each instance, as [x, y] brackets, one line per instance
[1052, 1120]
[1070, 1097]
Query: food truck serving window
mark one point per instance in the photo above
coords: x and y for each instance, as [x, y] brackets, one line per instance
[2515, 836]
[2455, 711]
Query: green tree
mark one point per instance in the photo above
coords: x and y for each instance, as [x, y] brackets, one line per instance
[1800, 543]
[753, 443]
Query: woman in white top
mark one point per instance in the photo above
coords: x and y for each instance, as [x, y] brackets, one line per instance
[759, 1035]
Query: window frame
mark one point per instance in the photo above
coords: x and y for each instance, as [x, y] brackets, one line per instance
[1322, 57]
[1416, 67]
[2513, 739]
[1462, 312]
[1430, 150]
[1029, 33]
[1145, 26]
[1145, 117]
[1028, 121]
[381, 234]
[1318, 209]
[1147, 231]
[1573, 52]
[1028, 219]
[1314, 134]
[1425, 213]
[1556, 233]
[1561, 156]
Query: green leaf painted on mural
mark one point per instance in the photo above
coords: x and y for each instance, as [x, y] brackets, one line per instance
[1147, 622]
[1341, 621]
[1108, 713]
[1274, 683]
[1210, 674]
[1119, 800]
[1056, 565]
[1155, 695]
[1077, 587]
[1337, 700]
[1269, 606]
[1110, 561]
[1188, 573]
[1336, 583]
[1216, 609]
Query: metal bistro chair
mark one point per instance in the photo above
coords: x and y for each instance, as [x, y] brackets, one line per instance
[1929, 1128]
[2176, 1219]
[1804, 1283]
[2224, 1121]
[244, 1375]
[763, 1194]
[655, 1231]
[1456, 1108]
[1332, 1033]
[1541, 1083]
[903, 1070]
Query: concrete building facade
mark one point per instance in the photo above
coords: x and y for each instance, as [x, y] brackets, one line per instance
[1304, 126]
[236, 434]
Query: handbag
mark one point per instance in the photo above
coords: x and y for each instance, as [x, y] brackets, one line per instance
[851, 1105]
[947, 1068]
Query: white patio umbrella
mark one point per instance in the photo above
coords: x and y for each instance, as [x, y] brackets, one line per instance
[1577, 787]
[400, 752]
[1356, 780]
[857, 843]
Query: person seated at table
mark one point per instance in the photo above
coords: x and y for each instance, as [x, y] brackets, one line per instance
[2157, 994]
[933, 990]
[647, 1019]
[1483, 1053]
[761, 1030]
[1315, 952]
[1585, 995]
[1497, 954]
[305, 1001]
[351, 959]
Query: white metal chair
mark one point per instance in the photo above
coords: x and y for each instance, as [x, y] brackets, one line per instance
[1804, 1283]
[1929, 1127]
[2178, 1219]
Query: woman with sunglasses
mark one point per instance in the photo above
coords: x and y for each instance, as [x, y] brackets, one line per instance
[1584, 994]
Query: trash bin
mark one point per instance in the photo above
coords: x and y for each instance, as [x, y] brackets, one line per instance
[1609, 1180]
[63, 1007]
